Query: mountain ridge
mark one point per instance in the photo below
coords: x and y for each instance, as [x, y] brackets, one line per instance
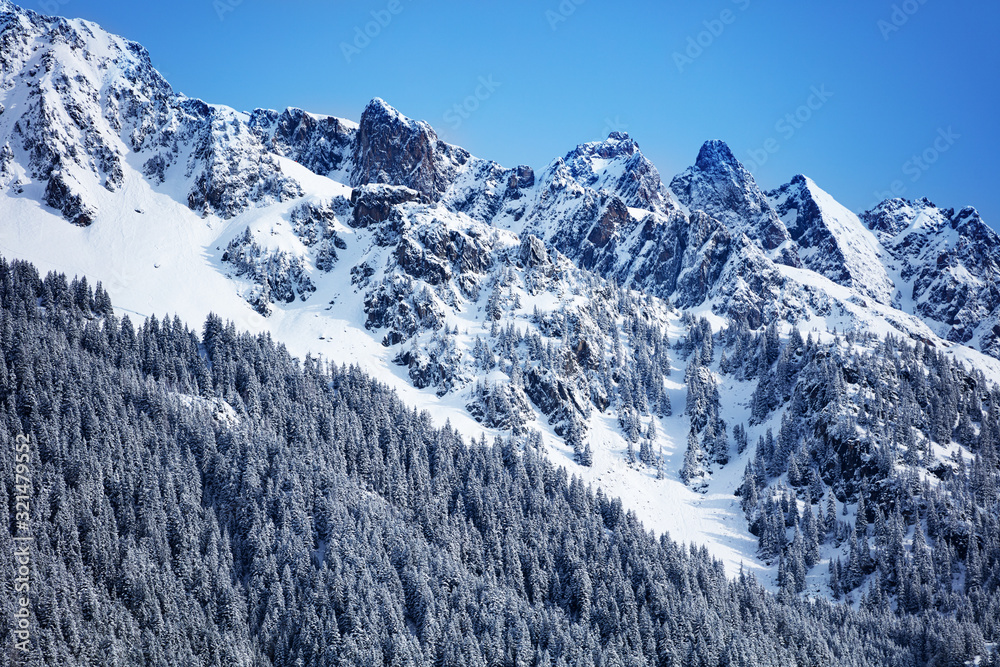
[587, 203]
[654, 336]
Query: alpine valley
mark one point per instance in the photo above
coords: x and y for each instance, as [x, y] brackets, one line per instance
[305, 390]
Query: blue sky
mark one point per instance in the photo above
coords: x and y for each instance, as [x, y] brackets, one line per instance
[864, 96]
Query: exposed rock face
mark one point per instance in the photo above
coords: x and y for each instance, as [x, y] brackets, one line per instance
[533, 252]
[397, 305]
[614, 217]
[391, 149]
[87, 100]
[617, 165]
[374, 203]
[606, 209]
[573, 190]
[555, 397]
[950, 263]
[587, 204]
[467, 252]
[314, 225]
[482, 188]
[62, 196]
[233, 168]
[832, 241]
[322, 144]
[430, 267]
[719, 185]
[395, 150]
[706, 249]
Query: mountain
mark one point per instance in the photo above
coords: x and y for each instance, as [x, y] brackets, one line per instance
[730, 363]
[949, 263]
[832, 240]
[211, 500]
[720, 186]
[80, 103]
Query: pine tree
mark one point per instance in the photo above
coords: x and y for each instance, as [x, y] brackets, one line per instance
[740, 436]
[861, 516]
[922, 564]
[794, 476]
[720, 444]
[810, 537]
[830, 524]
[692, 458]
[646, 452]
[973, 566]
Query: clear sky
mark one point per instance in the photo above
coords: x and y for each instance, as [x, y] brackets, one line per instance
[846, 92]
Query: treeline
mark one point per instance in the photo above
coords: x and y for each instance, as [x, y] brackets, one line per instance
[607, 352]
[900, 434]
[209, 500]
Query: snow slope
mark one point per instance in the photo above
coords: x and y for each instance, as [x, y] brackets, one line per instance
[295, 224]
[832, 240]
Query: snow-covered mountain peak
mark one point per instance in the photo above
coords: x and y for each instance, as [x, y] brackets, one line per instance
[379, 107]
[379, 115]
[832, 240]
[716, 156]
[395, 150]
[892, 217]
[85, 108]
[950, 264]
[722, 187]
[617, 165]
[617, 144]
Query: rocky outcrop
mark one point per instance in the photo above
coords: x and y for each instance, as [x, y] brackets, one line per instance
[402, 307]
[831, 240]
[374, 204]
[532, 252]
[276, 276]
[394, 150]
[950, 263]
[322, 144]
[719, 185]
[61, 194]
